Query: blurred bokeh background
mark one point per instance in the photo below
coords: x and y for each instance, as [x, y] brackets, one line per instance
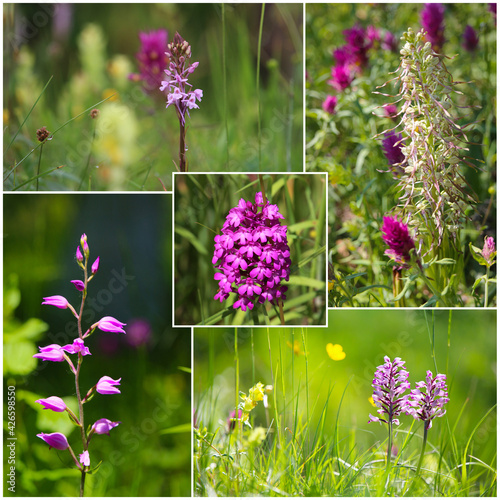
[203, 201]
[132, 236]
[89, 50]
[460, 343]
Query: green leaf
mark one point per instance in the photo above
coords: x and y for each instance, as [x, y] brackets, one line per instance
[188, 235]
[178, 429]
[18, 358]
[445, 262]
[184, 369]
[306, 281]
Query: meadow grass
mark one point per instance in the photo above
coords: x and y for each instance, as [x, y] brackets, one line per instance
[305, 443]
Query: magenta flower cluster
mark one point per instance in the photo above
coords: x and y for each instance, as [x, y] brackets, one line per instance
[58, 353]
[397, 237]
[152, 60]
[425, 402]
[352, 57]
[432, 19]
[179, 89]
[251, 255]
[391, 145]
[389, 386]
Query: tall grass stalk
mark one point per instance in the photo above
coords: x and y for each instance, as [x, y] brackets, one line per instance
[259, 48]
[224, 80]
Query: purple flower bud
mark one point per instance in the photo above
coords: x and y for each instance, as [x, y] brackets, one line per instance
[103, 426]
[471, 40]
[389, 385]
[110, 324]
[52, 352]
[95, 266]
[329, 104]
[76, 347]
[396, 236]
[55, 440]
[53, 403]
[85, 247]
[84, 458]
[79, 256]
[79, 285]
[106, 385]
[392, 144]
[427, 400]
[55, 300]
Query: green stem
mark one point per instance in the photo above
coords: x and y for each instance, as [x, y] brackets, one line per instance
[486, 287]
[182, 147]
[432, 289]
[389, 448]
[420, 461]
[88, 158]
[224, 80]
[38, 166]
[258, 80]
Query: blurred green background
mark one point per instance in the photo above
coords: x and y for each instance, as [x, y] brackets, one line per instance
[89, 49]
[132, 236]
[464, 349]
[202, 202]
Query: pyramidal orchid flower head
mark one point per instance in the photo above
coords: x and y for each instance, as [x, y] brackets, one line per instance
[106, 385]
[84, 458]
[397, 237]
[110, 324]
[53, 403]
[56, 301]
[389, 386]
[251, 255]
[52, 352]
[55, 440]
[79, 285]
[103, 426]
[427, 400]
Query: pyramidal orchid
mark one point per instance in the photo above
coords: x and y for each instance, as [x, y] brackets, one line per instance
[57, 353]
[252, 255]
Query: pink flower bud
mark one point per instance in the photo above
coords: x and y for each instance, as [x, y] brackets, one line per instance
[55, 440]
[55, 300]
[84, 458]
[79, 285]
[52, 352]
[106, 385]
[110, 324]
[95, 266]
[103, 426]
[79, 256]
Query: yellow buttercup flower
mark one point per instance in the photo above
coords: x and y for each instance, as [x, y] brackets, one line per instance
[335, 351]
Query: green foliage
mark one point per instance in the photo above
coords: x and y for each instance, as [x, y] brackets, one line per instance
[314, 439]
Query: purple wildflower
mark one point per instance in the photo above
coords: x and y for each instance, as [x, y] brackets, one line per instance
[373, 34]
[52, 352]
[55, 440]
[84, 458]
[341, 77]
[106, 385]
[396, 236]
[79, 256]
[389, 385]
[53, 403]
[392, 144]
[95, 266]
[152, 59]
[252, 256]
[177, 85]
[56, 301]
[432, 19]
[471, 40]
[79, 285]
[110, 324]
[358, 45]
[489, 251]
[342, 56]
[76, 347]
[103, 426]
[329, 104]
[428, 404]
